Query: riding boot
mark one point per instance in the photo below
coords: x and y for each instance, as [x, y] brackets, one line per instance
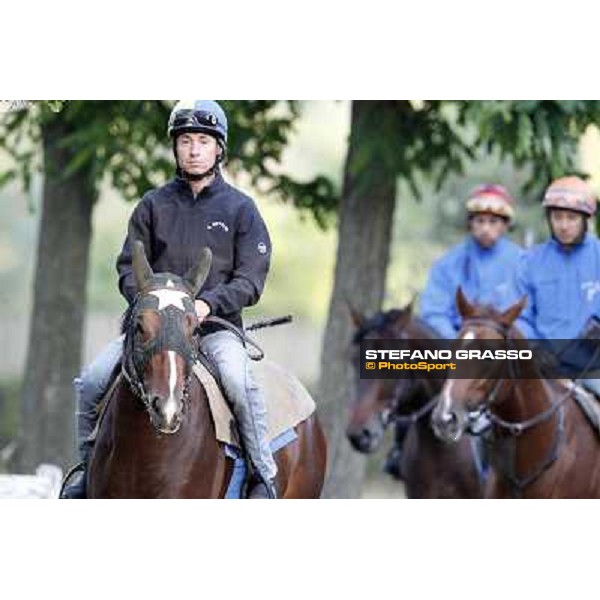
[76, 489]
[250, 411]
[393, 462]
[87, 397]
[261, 489]
[248, 406]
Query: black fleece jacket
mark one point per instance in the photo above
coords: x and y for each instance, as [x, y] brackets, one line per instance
[174, 226]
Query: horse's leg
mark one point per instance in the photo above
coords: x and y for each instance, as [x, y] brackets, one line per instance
[301, 464]
[438, 470]
[413, 464]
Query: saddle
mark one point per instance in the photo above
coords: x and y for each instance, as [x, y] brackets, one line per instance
[287, 401]
[589, 403]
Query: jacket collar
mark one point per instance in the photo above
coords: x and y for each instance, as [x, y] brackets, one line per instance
[215, 187]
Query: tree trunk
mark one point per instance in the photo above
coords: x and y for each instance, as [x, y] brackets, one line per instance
[55, 338]
[365, 225]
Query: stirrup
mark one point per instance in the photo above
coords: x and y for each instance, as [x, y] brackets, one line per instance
[80, 466]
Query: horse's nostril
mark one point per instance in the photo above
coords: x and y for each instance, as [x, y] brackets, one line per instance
[154, 403]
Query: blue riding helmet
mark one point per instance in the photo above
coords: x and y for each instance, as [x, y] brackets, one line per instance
[198, 116]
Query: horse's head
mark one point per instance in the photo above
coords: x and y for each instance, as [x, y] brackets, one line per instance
[460, 398]
[160, 348]
[375, 400]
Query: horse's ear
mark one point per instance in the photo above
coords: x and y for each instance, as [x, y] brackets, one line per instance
[197, 275]
[403, 318]
[465, 308]
[509, 316]
[357, 317]
[141, 269]
[408, 309]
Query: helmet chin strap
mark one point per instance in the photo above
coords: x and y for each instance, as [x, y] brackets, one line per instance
[198, 176]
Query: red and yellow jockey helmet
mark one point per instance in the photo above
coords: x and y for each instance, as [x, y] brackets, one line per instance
[491, 198]
[570, 193]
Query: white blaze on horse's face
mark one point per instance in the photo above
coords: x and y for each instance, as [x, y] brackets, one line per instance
[447, 398]
[170, 298]
[171, 405]
[468, 335]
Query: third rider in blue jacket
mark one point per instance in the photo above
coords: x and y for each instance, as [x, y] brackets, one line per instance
[483, 265]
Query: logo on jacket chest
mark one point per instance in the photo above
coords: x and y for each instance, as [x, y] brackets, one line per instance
[590, 288]
[217, 225]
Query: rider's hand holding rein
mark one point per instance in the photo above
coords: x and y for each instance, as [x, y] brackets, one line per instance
[202, 309]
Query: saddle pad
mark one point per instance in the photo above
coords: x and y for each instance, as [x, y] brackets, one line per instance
[240, 469]
[288, 402]
[589, 404]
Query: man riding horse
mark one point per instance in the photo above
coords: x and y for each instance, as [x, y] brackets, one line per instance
[561, 277]
[483, 265]
[197, 208]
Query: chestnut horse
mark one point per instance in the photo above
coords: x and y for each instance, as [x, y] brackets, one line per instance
[540, 443]
[430, 468]
[174, 453]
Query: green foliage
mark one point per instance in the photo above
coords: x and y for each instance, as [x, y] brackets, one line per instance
[126, 141]
[426, 141]
[415, 140]
[543, 134]
[10, 390]
[409, 140]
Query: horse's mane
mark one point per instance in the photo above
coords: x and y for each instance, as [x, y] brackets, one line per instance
[426, 326]
[383, 319]
[377, 322]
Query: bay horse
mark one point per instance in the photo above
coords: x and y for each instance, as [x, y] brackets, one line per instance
[540, 443]
[156, 438]
[430, 468]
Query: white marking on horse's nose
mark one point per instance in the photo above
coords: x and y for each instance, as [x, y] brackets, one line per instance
[447, 398]
[170, 408]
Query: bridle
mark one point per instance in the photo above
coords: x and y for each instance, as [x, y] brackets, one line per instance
[507, 460]
[137, 355]
[390, 414]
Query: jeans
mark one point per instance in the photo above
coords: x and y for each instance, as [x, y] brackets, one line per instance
[593, 385]
[244, 395]
[234, 366]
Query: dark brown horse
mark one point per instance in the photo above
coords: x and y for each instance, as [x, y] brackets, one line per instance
[430, 467]
[540, 443]
[156, 438]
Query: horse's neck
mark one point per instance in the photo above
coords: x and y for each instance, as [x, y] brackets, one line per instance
[415, 333]
[522, 399]
[192, 453]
